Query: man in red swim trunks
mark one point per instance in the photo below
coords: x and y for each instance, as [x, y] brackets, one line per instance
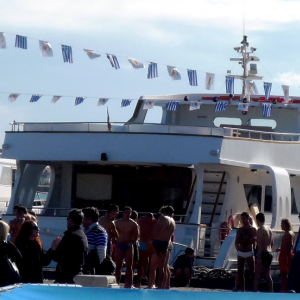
[286, 252]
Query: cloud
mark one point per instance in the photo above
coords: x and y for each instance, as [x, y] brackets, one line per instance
[111, 14]
[288, 78]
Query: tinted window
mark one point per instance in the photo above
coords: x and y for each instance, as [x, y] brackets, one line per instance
[268, 199]
[253, 194]
[294, 210]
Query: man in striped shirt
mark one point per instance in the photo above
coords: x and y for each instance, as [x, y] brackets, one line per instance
[97, 239]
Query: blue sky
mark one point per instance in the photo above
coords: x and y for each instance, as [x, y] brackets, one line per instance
[195, 34]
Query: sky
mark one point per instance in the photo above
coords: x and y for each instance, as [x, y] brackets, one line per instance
[190, 34]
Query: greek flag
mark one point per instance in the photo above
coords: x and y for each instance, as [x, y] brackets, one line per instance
[113, 61]
[35, 98]
[229, 85]
[152, 70]
[266, 109]
[192, 74]
[125, 102]
[67, 53]
[267, 88]
[172, 105]
[2, 41]
[21, 42]
[79, 100]
[220, 106]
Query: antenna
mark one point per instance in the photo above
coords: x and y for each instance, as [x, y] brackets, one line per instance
[243, 17]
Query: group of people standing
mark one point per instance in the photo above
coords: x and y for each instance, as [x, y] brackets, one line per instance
[99, 248]
[254, 247]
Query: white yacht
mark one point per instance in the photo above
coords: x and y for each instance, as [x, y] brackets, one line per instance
[209, 165]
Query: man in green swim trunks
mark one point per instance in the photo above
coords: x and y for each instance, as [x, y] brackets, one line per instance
[146, 224]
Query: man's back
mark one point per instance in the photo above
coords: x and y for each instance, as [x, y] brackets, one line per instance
[164, 229]
[70, 254]
[264, 239]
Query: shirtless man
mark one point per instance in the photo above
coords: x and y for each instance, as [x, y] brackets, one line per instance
[162, 234]
[286, 252]
[264, 244]
[107, 222]
[244, 244]
[146, 224]
[16, 223]
[128, 235]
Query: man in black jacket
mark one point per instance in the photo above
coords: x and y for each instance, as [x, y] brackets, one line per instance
[70, 251]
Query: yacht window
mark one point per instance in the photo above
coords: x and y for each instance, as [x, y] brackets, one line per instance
[263, 123]
[253, 194]
[91, 186]
[227, 121]
[154, 115]
[268, 199]
[294, 210]
[6, 176]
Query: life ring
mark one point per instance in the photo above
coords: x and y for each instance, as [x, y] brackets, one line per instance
[224, 231]
[231, 222]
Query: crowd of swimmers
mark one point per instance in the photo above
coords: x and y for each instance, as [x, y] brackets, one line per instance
[254, 248]
[98, 245]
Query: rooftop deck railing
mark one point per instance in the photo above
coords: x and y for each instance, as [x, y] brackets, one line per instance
[117, 127]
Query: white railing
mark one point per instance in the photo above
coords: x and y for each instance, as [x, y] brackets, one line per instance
[154, 128]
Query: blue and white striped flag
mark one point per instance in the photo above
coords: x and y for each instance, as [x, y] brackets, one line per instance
[267, 88]
[79, 100]
[67, 53]
[266, 109]
[172, 105]
[125, 102]
[152, 70]
[113, 61]
[21, 42]
[192, 74]
[35, 98]
[2, 40]
[229, 85]
[221, 106]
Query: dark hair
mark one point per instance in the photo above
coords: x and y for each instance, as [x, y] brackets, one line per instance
[169, 211]
[31, 212]
[287, 223]
[112, 207]
[91, 212]
[162, 210]
[127, 208]
[245, 214]
[134, 215]
[23, 235]
[76, 216]
[22, 209]
[16, 206]
[189, 250]
[260, 217]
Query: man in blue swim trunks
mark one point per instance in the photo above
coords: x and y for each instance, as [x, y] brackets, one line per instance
[128, 235]
[146, 224]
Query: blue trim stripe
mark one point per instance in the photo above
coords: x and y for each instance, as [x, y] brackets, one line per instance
[229, 85]
[267, 88]
[35, 98]
[152, 70]
[67, 53]
[79, 100]
[172, 105]
[192, 74]
[21, 42]
[220, 106]
[113, 61]
[125, 102]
